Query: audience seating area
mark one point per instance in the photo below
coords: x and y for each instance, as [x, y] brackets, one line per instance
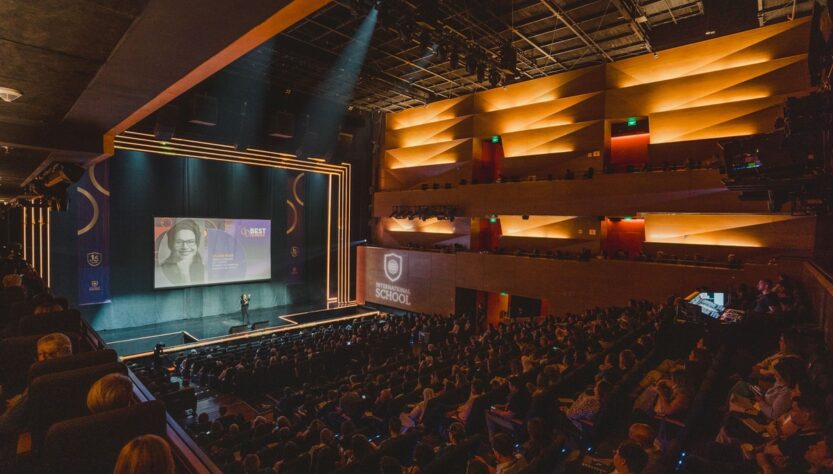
[51, 370]
[638, 388]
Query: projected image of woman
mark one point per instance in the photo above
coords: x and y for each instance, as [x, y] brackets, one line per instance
[184, 265]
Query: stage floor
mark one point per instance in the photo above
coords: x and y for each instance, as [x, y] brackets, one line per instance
[138, 339]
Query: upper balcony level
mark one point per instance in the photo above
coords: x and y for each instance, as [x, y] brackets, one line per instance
[689, 191]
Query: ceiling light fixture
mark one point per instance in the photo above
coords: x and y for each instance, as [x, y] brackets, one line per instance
[9, 95]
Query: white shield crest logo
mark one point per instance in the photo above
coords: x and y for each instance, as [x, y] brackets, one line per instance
[393, 266]
[94, 259]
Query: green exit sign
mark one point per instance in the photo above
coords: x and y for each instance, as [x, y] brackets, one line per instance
[632, 121]
[495, 138]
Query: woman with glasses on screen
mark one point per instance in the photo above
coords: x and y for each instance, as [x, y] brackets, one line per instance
[184, 264]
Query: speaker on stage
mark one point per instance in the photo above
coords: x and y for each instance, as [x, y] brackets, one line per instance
[238, 329]
[260, 325]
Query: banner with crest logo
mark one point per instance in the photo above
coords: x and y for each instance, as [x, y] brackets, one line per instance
[93, 198]
[295, 228]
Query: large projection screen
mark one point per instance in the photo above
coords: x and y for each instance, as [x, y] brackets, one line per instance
[191, 251]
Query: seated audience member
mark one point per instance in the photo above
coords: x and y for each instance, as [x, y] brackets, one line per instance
[477, 466]
[819, 456]
[414, 417]
[251, 465]
[762, 372]
[766, 301]
[47, 305]
[587, 406]
[666, 397]
[389, 465]
[14, 419]
[511, 413]
[609, 370]
[145, 454]
[423, 455]
[110, 392]
[674, 398]
[361, 450]
[394, 430]
[507, 461]
[463, 412]
[645, 436]
[537, 439]
[777, 400]
[629, 458]
[788, 452]
[324, 461]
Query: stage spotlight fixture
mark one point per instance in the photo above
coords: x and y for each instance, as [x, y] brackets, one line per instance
[166, 120]
[441, 51]
[406, 32]
[203, 110]
[508, 59]
[424, 213]
[395, 212]
[494, 77]
[454, 57]
[471, 62]
[481, 72]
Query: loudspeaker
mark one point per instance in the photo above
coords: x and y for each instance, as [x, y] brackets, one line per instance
[282, 125]
[260, 325]
[166, 120]
[238, 329]
[203, 110]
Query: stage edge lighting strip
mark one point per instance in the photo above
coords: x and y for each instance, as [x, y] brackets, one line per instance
[329, 231]
[49, 247]
[23, 211]
[40, 242]
[134, 141]
[253, 334]
[32, 232]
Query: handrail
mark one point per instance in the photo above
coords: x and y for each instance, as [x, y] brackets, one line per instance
[187, 452]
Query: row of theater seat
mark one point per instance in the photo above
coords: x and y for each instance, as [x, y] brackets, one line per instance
[62, 436]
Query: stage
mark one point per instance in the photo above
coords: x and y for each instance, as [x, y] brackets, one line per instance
[185, 332]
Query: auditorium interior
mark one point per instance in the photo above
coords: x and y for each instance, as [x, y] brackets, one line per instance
[416, 236]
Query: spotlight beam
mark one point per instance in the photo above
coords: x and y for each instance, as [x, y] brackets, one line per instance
[339, 84]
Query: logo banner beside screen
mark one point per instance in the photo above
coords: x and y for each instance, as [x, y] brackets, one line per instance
[94, 235]
[295, 229]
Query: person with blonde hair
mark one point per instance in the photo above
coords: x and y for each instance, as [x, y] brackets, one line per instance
[145, 454]
[110, 392]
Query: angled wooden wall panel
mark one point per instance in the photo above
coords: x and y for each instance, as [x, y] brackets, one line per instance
[545, 89]
[748, 117]
[430, 133]
[563, 111]
[741, 49]
[761, 80]
[433, 112]
[575, 137]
